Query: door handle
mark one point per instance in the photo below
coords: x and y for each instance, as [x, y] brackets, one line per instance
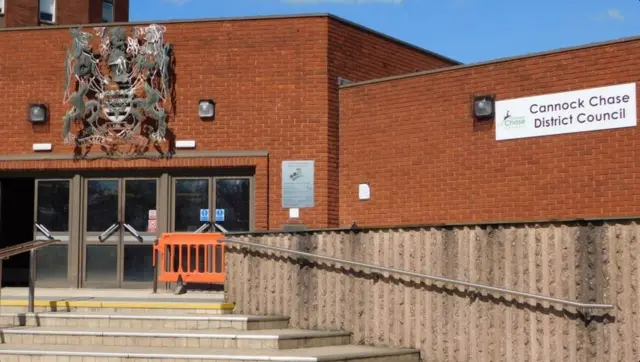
[44, 231]
[133, 232]
[221, 228]
[204, 227]
[110, 230]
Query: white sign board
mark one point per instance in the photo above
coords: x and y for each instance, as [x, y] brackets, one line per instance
[568, 112]
[297, 184]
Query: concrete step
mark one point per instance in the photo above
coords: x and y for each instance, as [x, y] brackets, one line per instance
[15, 300]
[110, 294]
[117, 305]
[147, 321]
[223, 338]
[349, 353]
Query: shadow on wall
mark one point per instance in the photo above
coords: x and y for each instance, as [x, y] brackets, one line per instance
[459, 292]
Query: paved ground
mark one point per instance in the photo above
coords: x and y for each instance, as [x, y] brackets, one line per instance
[60, 294]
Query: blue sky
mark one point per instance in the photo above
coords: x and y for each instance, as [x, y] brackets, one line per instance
[465, 30]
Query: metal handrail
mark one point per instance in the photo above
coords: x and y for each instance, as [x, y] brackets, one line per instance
[426, 276]
[31, 247]
[10, 251]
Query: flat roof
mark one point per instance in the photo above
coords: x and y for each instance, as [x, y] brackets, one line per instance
[490, 62]
[243, 18]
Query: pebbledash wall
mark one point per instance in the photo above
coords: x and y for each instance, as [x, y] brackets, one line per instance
[588, 262]
[274, 80]
[414, 141]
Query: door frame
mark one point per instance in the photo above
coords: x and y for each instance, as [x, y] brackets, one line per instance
[148, 237]
[165, 200]
[172, 198]
[67, 237]
[120, 235]
[212, 196]
[252, 197]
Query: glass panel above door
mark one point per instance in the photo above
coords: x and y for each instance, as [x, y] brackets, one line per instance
[140, 198]
[102, 204]
[53, 205]
[233, 204]
[191, 196]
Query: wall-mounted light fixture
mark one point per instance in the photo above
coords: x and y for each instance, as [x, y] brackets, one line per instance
[484, 108]
[207, 109]
[37, 113]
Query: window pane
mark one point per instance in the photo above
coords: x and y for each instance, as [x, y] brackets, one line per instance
[191, 196]
[138, 263]
[53, 205]
[47, 6]
[140, 197]
[107, 11]
[51, 263]
[47, 9]
[102, 263]
[102, 204]
[46, 17]
[233, 196]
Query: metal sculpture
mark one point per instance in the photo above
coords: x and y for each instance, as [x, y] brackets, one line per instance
[120, 92]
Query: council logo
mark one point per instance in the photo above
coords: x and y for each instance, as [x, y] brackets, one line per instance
[511, 122]
[296, 175]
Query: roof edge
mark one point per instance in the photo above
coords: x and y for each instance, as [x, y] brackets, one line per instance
[243, 18]
[393, 39]
[173, 21]
[491, 62]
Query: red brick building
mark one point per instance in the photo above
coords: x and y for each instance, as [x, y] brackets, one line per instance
[27, 13]
[455, 171]
[111, 136]
[275, 84]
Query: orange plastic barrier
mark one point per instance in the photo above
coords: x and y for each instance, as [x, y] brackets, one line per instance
[196, 258]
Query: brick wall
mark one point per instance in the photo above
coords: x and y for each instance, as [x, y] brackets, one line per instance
[21, 13]
[269, 77]
[414, 141]
[72, 12]
[120, 11]
[357, 55]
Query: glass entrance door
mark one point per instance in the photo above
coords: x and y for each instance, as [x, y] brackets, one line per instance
[52, 222]
[120, 227]
[198, 203]
[232, 204]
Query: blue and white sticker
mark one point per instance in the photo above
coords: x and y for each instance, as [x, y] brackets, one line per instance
[219, 214]
[204, 215]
